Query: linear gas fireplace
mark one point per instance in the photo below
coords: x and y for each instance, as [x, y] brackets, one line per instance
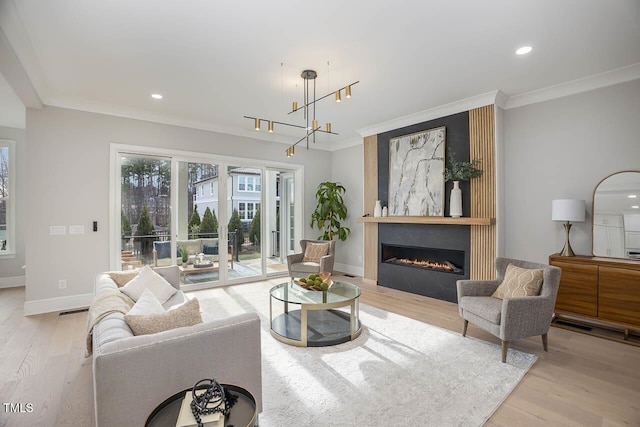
[443, 260]
[424, 260]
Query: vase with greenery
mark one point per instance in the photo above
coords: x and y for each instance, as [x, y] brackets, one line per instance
[184, 255]
[461, 171]
[330, 210]
[457, 171]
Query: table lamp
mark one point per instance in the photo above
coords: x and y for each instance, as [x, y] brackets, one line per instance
[567, 210]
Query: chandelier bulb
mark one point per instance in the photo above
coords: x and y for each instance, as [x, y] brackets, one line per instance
[347, 92]
[257, 124]
[328, 127]
[295, 106]
[271, 126]
[338, 99]
[314, 125]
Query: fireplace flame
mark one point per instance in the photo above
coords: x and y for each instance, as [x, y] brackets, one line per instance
[425, 263]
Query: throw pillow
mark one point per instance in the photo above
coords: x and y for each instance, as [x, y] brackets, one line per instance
[163, 249]
[123, 277]
[188, 314]
[147, 304]
[314, 251]
[149, 279]
[519, 282]
[210, 250]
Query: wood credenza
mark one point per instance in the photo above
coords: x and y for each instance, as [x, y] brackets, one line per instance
[604, 293]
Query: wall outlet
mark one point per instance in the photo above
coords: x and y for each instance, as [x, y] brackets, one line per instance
[62, 284]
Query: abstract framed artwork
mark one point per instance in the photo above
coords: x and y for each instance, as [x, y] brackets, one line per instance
[416, 173]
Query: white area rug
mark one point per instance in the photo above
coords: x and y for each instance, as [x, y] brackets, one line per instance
[399, 372]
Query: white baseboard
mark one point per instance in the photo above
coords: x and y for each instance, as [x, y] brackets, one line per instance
[11, 282]
[50, 305]
[349, 269]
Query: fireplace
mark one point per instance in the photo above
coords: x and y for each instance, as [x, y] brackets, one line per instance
[434, 259]
[425, 260]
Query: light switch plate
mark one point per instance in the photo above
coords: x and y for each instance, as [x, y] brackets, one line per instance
[76, 229]
[57, 230]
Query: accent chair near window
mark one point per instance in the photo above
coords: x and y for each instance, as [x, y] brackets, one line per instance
[317, 256]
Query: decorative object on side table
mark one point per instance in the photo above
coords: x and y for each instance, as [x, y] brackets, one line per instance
[567, 210]
[459, 171]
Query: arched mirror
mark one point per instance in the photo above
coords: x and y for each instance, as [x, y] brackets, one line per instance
[616, 216]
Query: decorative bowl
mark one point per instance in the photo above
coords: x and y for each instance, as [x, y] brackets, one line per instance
[326, 278]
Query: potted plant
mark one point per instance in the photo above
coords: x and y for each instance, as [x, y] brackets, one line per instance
[185, 256]
[458, 171]
[329, 211]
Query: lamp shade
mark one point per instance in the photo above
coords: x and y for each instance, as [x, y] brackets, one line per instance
[567, 210]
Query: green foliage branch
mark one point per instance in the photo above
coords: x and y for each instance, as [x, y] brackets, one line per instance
[461, 171]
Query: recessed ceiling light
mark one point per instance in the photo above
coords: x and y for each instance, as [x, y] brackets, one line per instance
[156, 96]
[632, 196]
[524, 50]
[635, 207]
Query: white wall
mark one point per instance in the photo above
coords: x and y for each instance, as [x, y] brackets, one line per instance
[11, 271]
[347, 167]
[67, 177]
[561, 149]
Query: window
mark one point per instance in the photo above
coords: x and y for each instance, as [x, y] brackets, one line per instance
[211, 188]
[249, 211]
[201, 190]
[242, 210]
[249, 183]
[7, 195]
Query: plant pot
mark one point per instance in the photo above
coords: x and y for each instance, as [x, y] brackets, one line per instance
[455, 201]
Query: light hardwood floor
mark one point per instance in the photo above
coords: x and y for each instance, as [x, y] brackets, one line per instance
[581, 381]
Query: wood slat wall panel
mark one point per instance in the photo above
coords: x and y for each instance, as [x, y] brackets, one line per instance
[483, 192]
[370, 196]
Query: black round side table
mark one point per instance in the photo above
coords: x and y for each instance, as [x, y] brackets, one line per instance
[243, 414]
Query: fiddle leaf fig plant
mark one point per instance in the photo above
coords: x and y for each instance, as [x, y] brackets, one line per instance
[329, 211]
[461, 171]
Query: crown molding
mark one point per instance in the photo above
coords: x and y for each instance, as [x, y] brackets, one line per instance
[430, 114]
[19, 61]
[596, 81]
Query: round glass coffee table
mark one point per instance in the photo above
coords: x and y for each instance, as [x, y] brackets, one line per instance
[314, 322]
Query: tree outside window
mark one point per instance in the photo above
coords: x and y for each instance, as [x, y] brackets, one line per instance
[5, 197]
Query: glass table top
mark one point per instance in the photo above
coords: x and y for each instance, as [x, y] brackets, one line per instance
[292, 293]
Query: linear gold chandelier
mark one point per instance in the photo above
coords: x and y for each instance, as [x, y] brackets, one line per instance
[309, 109]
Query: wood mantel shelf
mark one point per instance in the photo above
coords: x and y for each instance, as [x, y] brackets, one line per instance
[428, 220]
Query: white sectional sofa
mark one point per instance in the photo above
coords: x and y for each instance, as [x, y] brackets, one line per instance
[134, 374]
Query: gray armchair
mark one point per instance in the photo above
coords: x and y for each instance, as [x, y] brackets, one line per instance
[299, 268]
[509, 318]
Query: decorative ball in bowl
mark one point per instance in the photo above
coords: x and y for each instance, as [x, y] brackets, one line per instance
[315, 282]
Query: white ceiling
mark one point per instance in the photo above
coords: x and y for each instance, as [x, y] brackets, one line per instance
[216, 61]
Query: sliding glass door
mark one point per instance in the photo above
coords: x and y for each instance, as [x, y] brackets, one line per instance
[219, 221]
[145, 214]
